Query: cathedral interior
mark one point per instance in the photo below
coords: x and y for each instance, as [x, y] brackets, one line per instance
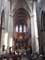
[22, 29]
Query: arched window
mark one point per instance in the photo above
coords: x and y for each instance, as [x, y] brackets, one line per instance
[20, 28]
[24, 28]
[17, 28]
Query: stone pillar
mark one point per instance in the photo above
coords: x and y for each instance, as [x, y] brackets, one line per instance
[34, 30]
[5, 31]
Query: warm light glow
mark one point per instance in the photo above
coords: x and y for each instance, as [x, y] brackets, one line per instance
[20, 37]
[6, 40]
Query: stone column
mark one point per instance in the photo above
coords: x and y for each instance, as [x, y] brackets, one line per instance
[34, 30]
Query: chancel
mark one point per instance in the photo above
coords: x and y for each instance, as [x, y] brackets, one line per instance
[22, 29]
